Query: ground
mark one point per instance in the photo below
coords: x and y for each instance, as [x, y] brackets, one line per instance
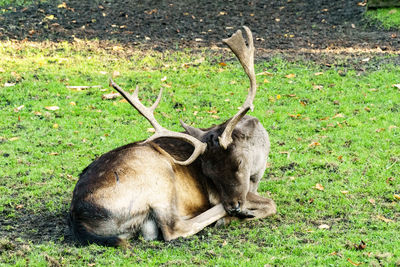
[342, 50]
[277, 24]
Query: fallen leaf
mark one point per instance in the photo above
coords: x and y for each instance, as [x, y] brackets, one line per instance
[52, 108]
[19, 108]
[396, 196]
[344, 192]
[379, 130]
[372, 201]
[13, 138]
[18, 207]
[9, 84]
[62, 5]
[318, 73]
[314, 144]
[353, 263]
[53, 153]
[266, 81]
[115, 73]
[72, 103]
[391, 127]
[49, 17]
[339, 115]
[380, 217]
[222, 64]
[318, 87]
[265, 73]
[55, 125]
[110, 96]
[324, 226]
[290, 76]
[319, 187]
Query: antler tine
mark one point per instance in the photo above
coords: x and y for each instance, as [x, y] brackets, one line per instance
[148, 113]
[245, 54]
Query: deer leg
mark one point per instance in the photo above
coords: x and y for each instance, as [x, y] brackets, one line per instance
[261, 207]
[184, 228]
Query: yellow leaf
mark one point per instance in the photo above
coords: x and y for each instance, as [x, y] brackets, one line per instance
[319, 187]
[50, 17]
[14, 138]
[63, 5]
[290, 76]
[318, 73]
[396, 196]
[380, 217]
[52, 108]
[266, 81]
[344, 192]
[55, 125]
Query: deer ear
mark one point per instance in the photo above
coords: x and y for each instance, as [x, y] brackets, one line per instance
[195, 132]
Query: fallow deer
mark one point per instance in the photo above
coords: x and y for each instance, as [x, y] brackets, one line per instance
[174, 184]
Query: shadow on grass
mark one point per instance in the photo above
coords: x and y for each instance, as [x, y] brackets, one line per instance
[38, 228]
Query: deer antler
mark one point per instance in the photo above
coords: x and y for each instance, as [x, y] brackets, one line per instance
[148, 113]
[246, 58]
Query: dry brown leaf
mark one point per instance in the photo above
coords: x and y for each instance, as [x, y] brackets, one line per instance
[319, 187]
[53, 153]
[339, 115]
[110, 96]
[72, 103]
[344, 192]
[52, 108]
[290, 76]
[396, 196]
[372, 201]
[353, 263]
[314, 144]
[318, 73]
[324, 226]
[222, 64]
[382, 218]
[265, 73]
[19, 108]
[379, 130]
[115, 73]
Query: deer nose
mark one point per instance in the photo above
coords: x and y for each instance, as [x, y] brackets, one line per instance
[236, 208]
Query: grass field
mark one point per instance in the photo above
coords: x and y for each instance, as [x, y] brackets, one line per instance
[334, 167]
[333, 170]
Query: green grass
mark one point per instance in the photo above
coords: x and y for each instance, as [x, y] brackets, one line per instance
[389, 18]
[334, 126]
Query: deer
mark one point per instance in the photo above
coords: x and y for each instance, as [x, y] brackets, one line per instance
[174, 184]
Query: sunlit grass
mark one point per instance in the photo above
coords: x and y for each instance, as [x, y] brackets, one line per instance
[388, 17]
[334, 126]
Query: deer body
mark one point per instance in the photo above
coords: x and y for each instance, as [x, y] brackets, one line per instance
[175, 184]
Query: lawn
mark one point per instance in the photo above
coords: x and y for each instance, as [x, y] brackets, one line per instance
[333, 169]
